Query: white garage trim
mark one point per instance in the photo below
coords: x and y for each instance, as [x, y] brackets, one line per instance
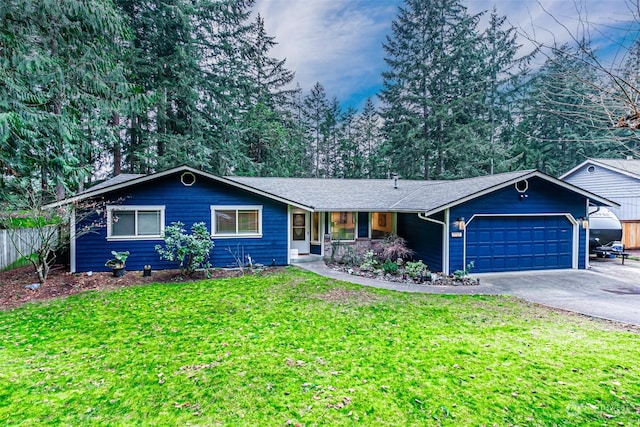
[575, 244]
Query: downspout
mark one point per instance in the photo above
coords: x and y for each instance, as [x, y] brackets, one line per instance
[72, 241]
[445, 237]
[587, 265]
[288, 234]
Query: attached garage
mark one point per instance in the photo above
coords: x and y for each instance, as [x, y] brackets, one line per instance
[517, 243]
[516, 221]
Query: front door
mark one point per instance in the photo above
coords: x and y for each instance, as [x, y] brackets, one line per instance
[300, 231]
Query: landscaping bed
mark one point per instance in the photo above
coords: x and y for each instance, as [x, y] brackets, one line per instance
[430, 279]
[392, 260]
[15, 284]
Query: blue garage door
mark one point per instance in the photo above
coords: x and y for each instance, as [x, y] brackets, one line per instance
[519, 243]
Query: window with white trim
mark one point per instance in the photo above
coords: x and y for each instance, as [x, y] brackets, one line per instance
[135, 222]
[343, 225]
[381, 224]
[236, 221]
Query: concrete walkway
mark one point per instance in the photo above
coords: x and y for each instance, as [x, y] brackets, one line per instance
[607, 290]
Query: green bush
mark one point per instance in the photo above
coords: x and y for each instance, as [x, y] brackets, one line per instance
[390, 267]
[460, 274]
[415, 269]
[370, 262]
[189, 251]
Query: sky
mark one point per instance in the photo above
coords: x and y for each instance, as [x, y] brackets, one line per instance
[339, 42]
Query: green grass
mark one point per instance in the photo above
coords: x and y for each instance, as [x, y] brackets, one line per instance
[20, 262]
[297, 348]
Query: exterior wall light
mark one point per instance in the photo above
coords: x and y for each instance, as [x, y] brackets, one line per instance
[459, 223]
[584, 221]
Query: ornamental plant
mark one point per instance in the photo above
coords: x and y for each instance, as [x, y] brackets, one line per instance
[189, 251]
[119, 259]
[415, 269]
[393, 247]
[390, 267]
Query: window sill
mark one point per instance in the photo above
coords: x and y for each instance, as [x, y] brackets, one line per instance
[132, 238]
[236, 236]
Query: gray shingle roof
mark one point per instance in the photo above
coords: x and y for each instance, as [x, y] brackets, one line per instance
[375, 194]
[119, 179]
[629, 166]
[365, 195]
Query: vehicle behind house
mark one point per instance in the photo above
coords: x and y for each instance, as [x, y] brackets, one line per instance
[604, 227]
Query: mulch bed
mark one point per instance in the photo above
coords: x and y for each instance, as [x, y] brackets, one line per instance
[61, 283]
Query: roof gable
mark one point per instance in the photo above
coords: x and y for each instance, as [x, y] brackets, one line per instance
[630, 168]
[128, 180]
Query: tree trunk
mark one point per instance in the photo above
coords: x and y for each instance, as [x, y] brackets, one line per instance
[117, 149]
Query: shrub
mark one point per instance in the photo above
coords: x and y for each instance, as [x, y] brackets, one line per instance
[393, 247]
[189, 251]
[415, 269]
[460, 274]
[370, 262]
[390, 267]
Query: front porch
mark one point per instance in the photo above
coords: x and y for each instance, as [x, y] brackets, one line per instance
[300, 259]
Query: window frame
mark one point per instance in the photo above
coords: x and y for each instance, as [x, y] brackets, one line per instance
[315, 219]
[236, 208]
[135, 209]
[389, 216]
[343, 219]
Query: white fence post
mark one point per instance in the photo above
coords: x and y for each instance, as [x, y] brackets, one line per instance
[4, 248]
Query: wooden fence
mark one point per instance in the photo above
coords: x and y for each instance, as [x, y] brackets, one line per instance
[631, 234]
[26, 239]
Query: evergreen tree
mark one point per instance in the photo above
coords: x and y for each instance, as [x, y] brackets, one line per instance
[58, 66]
[330, 139]
[505, 73]
[192, 59]
[351, 160]
[562, 122]
[368, 138]
[432, 88]
[314, 112]
[265, 134]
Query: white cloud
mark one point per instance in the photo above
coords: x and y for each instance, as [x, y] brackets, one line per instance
[339, 42]
[335, 42]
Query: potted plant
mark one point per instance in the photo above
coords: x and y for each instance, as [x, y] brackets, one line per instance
[117, 264]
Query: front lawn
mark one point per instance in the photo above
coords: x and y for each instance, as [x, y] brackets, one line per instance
[298, 349]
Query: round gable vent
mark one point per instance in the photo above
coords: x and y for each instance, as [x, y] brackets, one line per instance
[591, 169]
[522, 186]
[188, 179]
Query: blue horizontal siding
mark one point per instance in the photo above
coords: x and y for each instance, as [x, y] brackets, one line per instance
[542, 198]
[188, 205]
[424, 237]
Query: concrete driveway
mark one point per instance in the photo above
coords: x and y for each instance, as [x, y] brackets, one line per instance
[608, 290]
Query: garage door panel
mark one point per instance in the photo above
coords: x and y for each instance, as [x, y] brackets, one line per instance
[519, 243]
[523, 263]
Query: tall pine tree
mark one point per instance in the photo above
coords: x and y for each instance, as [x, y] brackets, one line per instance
[59, 71]
[431, 89]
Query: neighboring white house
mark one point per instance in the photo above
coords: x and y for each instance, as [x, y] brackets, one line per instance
[617, 180]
